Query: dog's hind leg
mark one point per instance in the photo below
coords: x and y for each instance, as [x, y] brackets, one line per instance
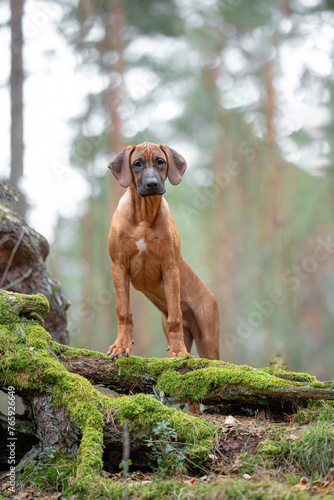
[188, 338]
[207, 341]
[164, 324]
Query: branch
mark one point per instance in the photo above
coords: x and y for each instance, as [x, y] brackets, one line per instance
[201, 380]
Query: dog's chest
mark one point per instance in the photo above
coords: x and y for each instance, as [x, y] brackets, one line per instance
[144, 261]
[141, 245]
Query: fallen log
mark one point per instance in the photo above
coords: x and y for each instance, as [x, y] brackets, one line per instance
[198, 380]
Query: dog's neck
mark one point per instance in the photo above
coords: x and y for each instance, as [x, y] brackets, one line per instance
[145, 209]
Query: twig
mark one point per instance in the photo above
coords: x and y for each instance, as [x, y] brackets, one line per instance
[126, 456]
[4, 239]
[10, 260]
[18, 280]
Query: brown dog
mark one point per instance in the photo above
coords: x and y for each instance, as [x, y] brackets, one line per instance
[144, 246]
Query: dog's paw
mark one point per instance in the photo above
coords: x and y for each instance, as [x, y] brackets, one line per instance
[177, 352]
[118, 350]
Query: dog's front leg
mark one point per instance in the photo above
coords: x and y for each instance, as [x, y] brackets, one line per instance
[123, 342]
[171, 280]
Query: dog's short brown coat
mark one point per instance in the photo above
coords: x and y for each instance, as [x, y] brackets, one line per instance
[144, 246]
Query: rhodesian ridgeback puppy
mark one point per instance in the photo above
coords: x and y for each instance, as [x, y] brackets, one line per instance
[144, 245]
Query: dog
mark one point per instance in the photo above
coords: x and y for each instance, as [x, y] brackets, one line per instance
[144, 246]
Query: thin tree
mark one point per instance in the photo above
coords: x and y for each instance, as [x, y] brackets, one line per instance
[16, 96]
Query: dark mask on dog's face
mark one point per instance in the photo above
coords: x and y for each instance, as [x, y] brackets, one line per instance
[149, 169]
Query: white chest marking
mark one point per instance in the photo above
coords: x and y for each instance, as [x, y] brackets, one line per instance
[141, 245]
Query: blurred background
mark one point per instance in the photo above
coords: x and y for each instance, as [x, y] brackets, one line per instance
[244, 91]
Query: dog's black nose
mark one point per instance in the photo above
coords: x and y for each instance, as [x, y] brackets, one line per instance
[151, 183]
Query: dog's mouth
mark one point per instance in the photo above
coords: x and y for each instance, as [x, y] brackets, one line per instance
[151, 192]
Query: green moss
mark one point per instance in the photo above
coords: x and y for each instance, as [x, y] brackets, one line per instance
[268, 447]
[8, 315]
[16, 307]
[99, 488]
[292, 376]
[272, 448]
[279, 368]
[73, 352]
[194, 379]
[28, 363]
[95, 488]
[320, 385]
[144, 413]
[227, 489]
[12, 305]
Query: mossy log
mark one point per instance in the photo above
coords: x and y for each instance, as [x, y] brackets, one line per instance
[71, 415]
[68, 412]
[196, 380]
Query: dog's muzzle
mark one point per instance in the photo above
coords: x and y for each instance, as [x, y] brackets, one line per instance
[151, 187]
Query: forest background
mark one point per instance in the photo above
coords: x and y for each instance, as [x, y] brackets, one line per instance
[243, 90]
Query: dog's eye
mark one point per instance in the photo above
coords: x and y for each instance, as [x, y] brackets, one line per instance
[160, 162]
[137, 164]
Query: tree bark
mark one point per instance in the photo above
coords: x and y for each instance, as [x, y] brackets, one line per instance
[50, 427]
[23, 254]
[55, 428]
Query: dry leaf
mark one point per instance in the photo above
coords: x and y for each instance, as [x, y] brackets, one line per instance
[303, 485]
[140, 476]
[230, 421]
[247, 477]
[321, 484]
[191, 482]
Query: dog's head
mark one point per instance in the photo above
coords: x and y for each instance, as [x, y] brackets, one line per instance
[148, 166]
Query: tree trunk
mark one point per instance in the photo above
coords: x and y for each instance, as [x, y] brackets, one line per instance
[23, 254]
[16, 96]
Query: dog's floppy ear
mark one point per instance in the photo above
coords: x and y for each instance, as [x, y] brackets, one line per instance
[176, 164]
[120, 166]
